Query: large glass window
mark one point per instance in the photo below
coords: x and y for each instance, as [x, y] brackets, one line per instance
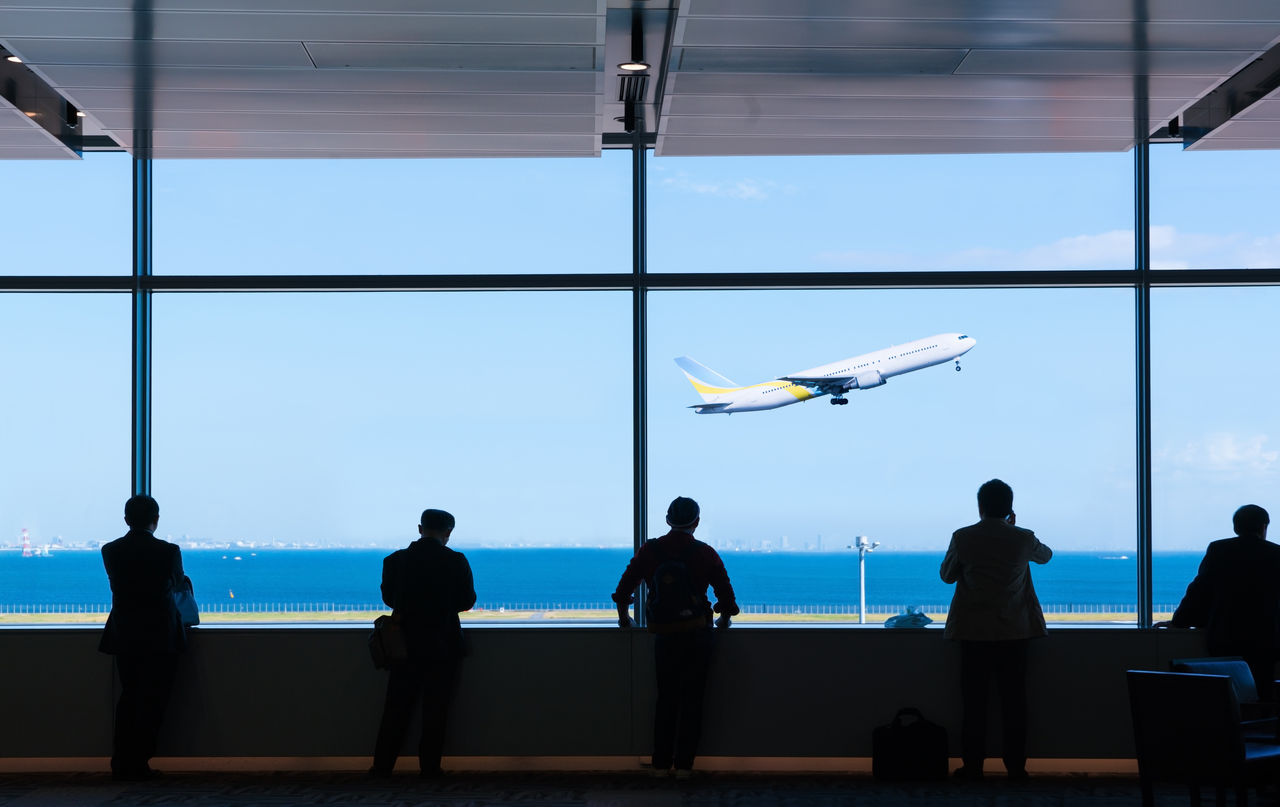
[784, 214]
[1209, 209]
[328, 422]
[1045, 401]
[1215, 428]
[69, 217]
[65, 440]
[482, 216]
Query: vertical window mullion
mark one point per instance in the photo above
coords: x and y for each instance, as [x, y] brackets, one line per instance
[1142, 346]
[141, 356]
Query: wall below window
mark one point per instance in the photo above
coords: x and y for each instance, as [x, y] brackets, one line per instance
[793, 692]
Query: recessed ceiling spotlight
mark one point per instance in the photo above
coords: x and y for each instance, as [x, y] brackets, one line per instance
[634, 66]
[79, 114]
[14, 59]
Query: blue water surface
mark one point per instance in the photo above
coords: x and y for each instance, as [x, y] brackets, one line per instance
[584, 576]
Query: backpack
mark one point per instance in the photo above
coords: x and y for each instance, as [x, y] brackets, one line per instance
[673, 606]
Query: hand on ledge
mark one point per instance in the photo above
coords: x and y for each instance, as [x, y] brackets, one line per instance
[624, 621]
[722, 621]
[1166, 623]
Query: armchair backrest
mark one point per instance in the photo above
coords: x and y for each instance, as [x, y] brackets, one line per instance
[1232, 666]
[1186, 726]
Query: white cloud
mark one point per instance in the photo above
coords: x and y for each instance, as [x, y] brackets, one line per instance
[746, 189]
[1170, 249]
[1109, 250]
[1220, 452]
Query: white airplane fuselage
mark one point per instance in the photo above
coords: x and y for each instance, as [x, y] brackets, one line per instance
[858, 372]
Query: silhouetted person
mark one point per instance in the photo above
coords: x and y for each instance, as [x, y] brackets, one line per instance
[427, 585]
[994, 612]
[677, 569]
[1235, 597]
[144, 632]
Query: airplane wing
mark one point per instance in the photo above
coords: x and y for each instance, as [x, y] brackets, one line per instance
[826, 383]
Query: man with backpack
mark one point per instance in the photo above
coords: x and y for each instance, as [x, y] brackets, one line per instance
[677, 568]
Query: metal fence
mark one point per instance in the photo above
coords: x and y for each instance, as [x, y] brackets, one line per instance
[503, 607]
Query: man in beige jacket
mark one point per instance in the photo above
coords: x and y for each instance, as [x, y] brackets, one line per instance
[994, 612]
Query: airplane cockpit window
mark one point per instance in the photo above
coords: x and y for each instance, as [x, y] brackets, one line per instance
[962, 336]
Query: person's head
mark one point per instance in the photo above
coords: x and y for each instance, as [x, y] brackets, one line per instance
[436, 524]
[1251, 521]
[141, 513]
[683, 514]
[995, 499]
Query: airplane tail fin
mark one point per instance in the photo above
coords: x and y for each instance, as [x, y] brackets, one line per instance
[711, 386]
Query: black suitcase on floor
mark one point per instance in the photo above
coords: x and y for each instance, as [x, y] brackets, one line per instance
[909, 748]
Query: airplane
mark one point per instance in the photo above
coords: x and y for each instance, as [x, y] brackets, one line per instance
[722, 396]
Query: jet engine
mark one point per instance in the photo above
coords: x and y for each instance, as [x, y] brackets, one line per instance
[867, 380]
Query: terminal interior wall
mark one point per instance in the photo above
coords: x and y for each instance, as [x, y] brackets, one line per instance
[293, 692]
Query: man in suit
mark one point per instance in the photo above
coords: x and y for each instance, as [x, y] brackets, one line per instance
[144, 632]
[994, 612]
[682, 644]
[1235, 597]
[426, 585]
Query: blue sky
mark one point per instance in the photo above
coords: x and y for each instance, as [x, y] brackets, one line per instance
[336, 417]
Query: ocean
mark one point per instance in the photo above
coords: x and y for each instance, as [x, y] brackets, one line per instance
[234, 579]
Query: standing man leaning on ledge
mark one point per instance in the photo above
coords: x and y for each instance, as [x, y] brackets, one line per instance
[144, 632]
[993, 613]
[427, 585]
[1235, 597]
[677, 569]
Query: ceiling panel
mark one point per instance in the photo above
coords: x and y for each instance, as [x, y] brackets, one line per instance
[1057, 10]
[846, 61]
[275, 101]
[397, 56]
[898, 107]
[966, 33]
[160, 54]
[436, 77]
[261, 25]
[482, 7]
[312, 80]
[1105, 62]
[881, 76]
[1120, 129]
[1010, 87]
[117, 120]
[747, 146]
[282, 143]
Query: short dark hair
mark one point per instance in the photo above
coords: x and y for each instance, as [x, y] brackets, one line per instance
[995, 499]
[1250, 520]
[437, 520]
[141, 511]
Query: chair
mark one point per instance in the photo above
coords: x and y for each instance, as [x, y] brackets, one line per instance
[1186, 728]
[1259, 716]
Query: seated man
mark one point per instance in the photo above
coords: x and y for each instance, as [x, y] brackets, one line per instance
[1235, 598]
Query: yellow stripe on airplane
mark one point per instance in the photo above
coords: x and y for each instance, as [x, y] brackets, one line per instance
[708, 389]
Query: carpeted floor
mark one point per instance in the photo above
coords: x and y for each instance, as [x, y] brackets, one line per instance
[567, 790]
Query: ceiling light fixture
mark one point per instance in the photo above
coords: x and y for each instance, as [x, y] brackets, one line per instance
[14, 59]
[634, 65]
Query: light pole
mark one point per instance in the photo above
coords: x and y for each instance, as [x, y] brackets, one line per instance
[864, 545]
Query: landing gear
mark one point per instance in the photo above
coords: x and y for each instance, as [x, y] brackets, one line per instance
[839, 401]
[957, 367]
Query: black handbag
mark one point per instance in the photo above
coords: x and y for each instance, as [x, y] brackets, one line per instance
[386, 643]
[909, 748]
